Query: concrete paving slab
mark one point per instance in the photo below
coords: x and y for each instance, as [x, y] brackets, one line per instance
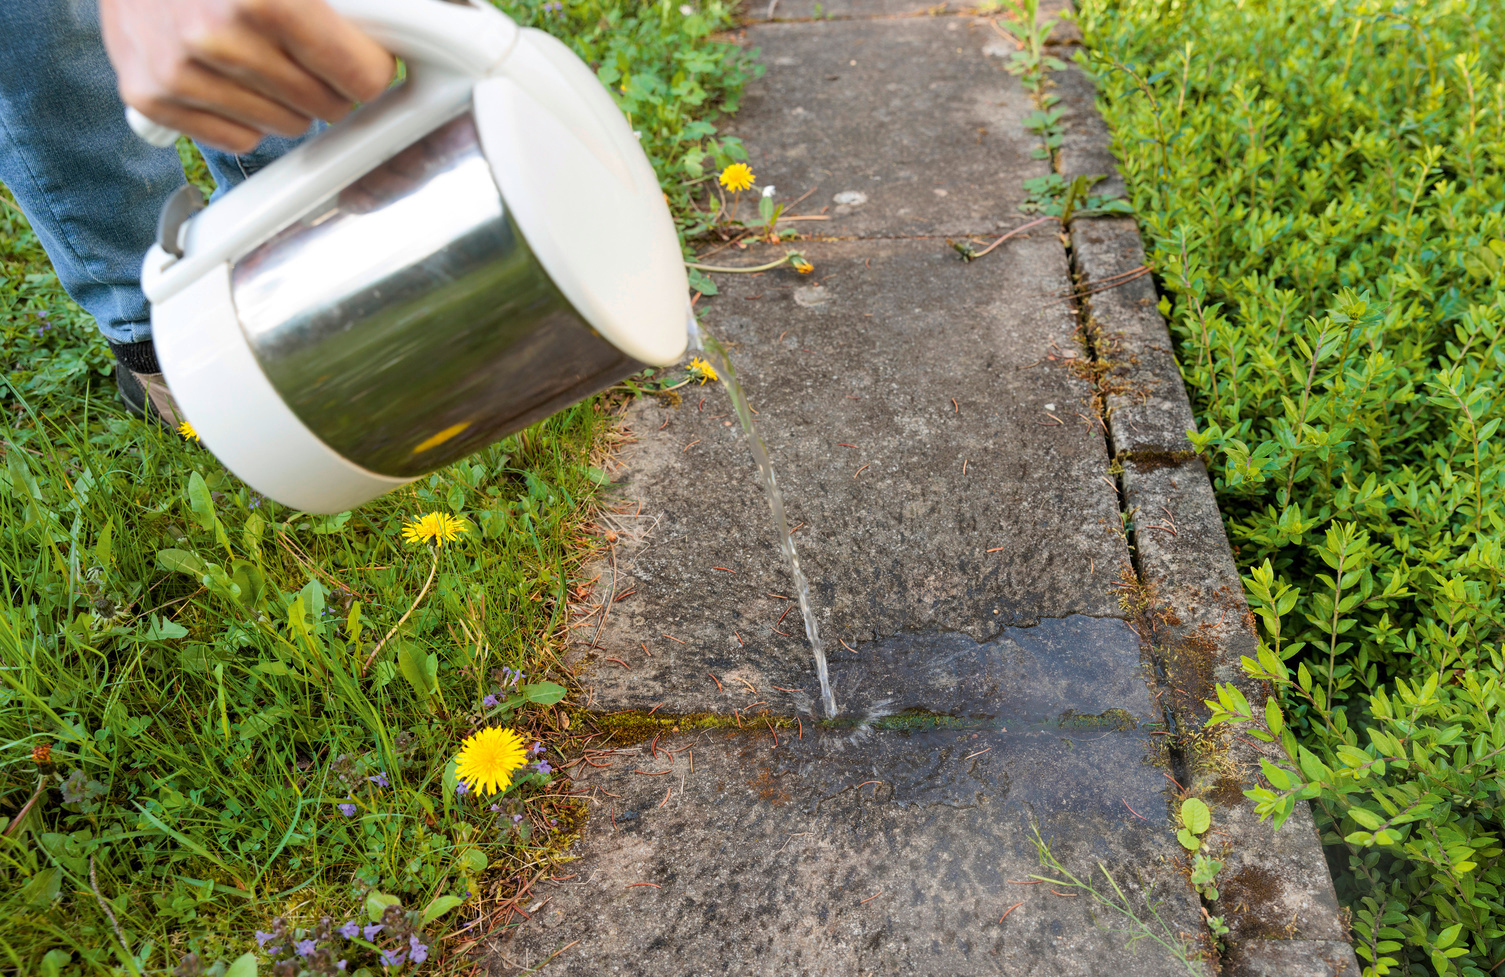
[1293, 958]
[753, 11]
[1149, 413]
[763, 10]
[931, 435]
[1086, 147]
[868, 854]
[907, 127]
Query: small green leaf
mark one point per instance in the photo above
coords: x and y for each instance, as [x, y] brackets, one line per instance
[1188, 840]
[1195, 815]
[244, 966]
[54, 962]
[438, 908]
[200, 501]
[180, 561]
[543, 693]
[377, 903]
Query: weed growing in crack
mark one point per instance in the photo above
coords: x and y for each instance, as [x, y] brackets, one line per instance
[1140, 919]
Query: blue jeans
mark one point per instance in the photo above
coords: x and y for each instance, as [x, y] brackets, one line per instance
[89, 186]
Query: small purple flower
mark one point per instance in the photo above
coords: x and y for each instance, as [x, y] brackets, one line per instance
[263, 937]
[420, 951]
[370, 930]
[462, 788]
[553, 7]
[305, 948]
[496, 809]
[349, 930]
[348, 810]
[392, 958]
[536, 748]
[516, 818]
[488, 702]
[379, 780]
[543, 767]
[341, 965]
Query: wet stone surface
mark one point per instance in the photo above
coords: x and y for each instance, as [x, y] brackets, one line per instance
[876, 853]
[901, 127]
[933, 438]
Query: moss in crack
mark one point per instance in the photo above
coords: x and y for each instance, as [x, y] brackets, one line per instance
[1115, 719]
[1147, 459]
[636, 726]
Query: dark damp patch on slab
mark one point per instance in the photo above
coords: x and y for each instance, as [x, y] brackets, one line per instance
[1076, 665]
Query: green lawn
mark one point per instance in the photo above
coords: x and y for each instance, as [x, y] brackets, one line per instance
[1322, 191]
[183, 697]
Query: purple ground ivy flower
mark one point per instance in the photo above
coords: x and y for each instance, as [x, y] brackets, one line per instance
[392, 958]
[516, 818]
[305, 948]
[370, 930]
[496, 809]
[462, 788]
[342, 965]
[262, 938]
[347, 809]
[379, 780]
[489, 701]
[419, 951]
[349, 930]
[543, 767]
[536, 748]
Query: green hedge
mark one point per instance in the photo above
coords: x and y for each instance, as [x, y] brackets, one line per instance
[1322, 191]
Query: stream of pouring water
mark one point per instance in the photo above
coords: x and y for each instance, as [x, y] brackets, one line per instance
[722, 363]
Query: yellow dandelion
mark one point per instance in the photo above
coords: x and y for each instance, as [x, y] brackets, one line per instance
[436, 527]
[703, 370]
[737, 177]
[802, 266]
[488, 759]
[187, 433]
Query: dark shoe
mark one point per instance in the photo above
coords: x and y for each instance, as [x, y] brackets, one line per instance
[143, 390]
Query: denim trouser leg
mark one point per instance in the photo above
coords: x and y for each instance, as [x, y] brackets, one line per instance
[89, 186]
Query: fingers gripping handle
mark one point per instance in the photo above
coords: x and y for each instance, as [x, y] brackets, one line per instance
[467, 39]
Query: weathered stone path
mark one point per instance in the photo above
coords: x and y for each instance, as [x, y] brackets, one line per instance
[1010, 663]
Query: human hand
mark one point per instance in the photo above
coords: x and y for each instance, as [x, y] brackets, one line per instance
[228, 72]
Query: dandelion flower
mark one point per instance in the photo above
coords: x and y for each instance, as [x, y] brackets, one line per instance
[703, 370]
[802, 266]
[187, 433]
[737, 177]
[436, 527]
[488, 759]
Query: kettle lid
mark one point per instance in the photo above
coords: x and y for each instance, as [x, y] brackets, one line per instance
[586, 199]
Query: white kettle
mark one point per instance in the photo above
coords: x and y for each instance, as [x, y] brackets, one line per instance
[479, 247]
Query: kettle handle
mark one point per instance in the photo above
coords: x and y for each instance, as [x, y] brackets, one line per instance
[460, 37]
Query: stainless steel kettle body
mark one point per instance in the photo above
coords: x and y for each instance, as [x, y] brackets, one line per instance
[408, 323]
[476, 250]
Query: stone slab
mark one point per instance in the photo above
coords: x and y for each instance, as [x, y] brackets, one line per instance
[1268, 889]
[939, 459]
[1086, 146]
[1293, 958]
[1058, 672]
[1066, 31]
[902, 128]
[1148, 410]
[879, 854]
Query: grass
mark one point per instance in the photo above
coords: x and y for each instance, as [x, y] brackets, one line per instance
[1320, 187]
[184, 717]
